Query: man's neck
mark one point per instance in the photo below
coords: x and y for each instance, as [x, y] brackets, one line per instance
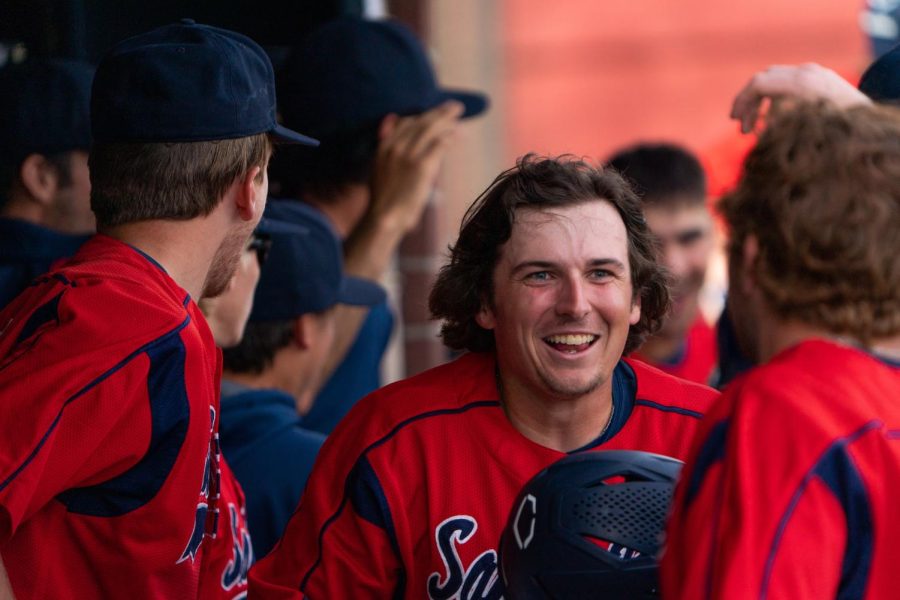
[286, 374]
[345, 210]
[659, 349]
[185, 249]
[563, 424]
[783, 334]
[23, 210]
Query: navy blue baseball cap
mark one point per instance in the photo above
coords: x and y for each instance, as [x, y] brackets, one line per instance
[186, 82]
[304, 269]
[881, 81]
[351, 72]
[44, 108]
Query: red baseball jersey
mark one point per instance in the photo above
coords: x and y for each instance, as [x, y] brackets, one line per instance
[111, 483]
[791, 488]
[698, 357]
[411, 492]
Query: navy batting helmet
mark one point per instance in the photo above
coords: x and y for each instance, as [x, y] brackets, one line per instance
[590, 525]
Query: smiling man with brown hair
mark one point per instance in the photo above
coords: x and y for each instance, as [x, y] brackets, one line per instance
[553, 276]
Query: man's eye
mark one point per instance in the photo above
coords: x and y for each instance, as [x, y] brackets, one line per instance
[601, 273]
[538, 276]
[689, 237]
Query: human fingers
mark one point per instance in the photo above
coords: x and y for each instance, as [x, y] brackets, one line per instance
[435, 126]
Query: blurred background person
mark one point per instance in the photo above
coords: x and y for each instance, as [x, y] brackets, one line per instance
[271, 376]
[45, 211]
[227, 313]
[368, 92]
[672, 186]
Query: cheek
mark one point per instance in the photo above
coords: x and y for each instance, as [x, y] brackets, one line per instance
[699, 256]
[330, 334]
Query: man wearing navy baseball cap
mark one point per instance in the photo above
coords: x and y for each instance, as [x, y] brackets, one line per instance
[45, 134]
[111, 482]
[271, 376]
[368, 91]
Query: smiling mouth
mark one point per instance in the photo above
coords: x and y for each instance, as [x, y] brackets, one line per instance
[570, 343]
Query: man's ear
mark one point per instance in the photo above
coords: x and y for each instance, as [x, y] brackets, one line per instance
[485, 316]
[635, 315]
[387, 125]
[302, 330]
[39, 178]
[249, 202]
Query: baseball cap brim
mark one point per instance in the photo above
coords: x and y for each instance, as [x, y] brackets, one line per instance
[289, 136]
[360, 292]
[475, 103]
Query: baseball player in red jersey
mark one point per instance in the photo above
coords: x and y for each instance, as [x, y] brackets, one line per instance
[790, 490]
[554, 275]
[111, 481]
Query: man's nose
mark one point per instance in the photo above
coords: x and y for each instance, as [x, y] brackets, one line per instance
[572, 299]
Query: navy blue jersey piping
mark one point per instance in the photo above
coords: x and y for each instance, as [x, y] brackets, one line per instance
[170, 414]
[851, 574]
[667, 408]
[44, 314]
[149, 258]
[711, 452]
[99, 379]
[372, 446]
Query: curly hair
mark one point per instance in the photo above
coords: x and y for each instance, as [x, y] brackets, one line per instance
[465, 283]
[821, 194]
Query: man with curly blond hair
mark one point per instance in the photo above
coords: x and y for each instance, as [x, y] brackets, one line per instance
[790, 491]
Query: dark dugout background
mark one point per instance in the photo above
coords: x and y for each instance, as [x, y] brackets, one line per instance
[86, 28]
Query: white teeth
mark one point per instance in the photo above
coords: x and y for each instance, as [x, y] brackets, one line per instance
[571, 340]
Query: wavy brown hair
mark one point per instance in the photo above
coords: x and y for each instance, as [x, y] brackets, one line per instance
[465, 283]
[821, 193]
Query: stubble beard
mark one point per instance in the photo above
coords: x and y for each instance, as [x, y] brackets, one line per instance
[566, 389]
[225, 262]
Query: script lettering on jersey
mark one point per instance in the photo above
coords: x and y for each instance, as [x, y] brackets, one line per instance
[458, 582]
[209, 488]
[235, 572]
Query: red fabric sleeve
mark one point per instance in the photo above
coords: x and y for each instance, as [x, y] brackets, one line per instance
[745, 523]
[53, 446]
[328, 549]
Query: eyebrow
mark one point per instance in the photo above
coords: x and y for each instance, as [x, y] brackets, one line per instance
[546, 265]
[690, 234]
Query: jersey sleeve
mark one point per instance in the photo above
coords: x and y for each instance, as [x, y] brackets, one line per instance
[340, 542]
[73, 421]
[75, 438]
[751, 518]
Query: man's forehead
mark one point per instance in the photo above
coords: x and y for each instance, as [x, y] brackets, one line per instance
[660, 212]
[586, 228]
[669, 219]
[597, 211]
